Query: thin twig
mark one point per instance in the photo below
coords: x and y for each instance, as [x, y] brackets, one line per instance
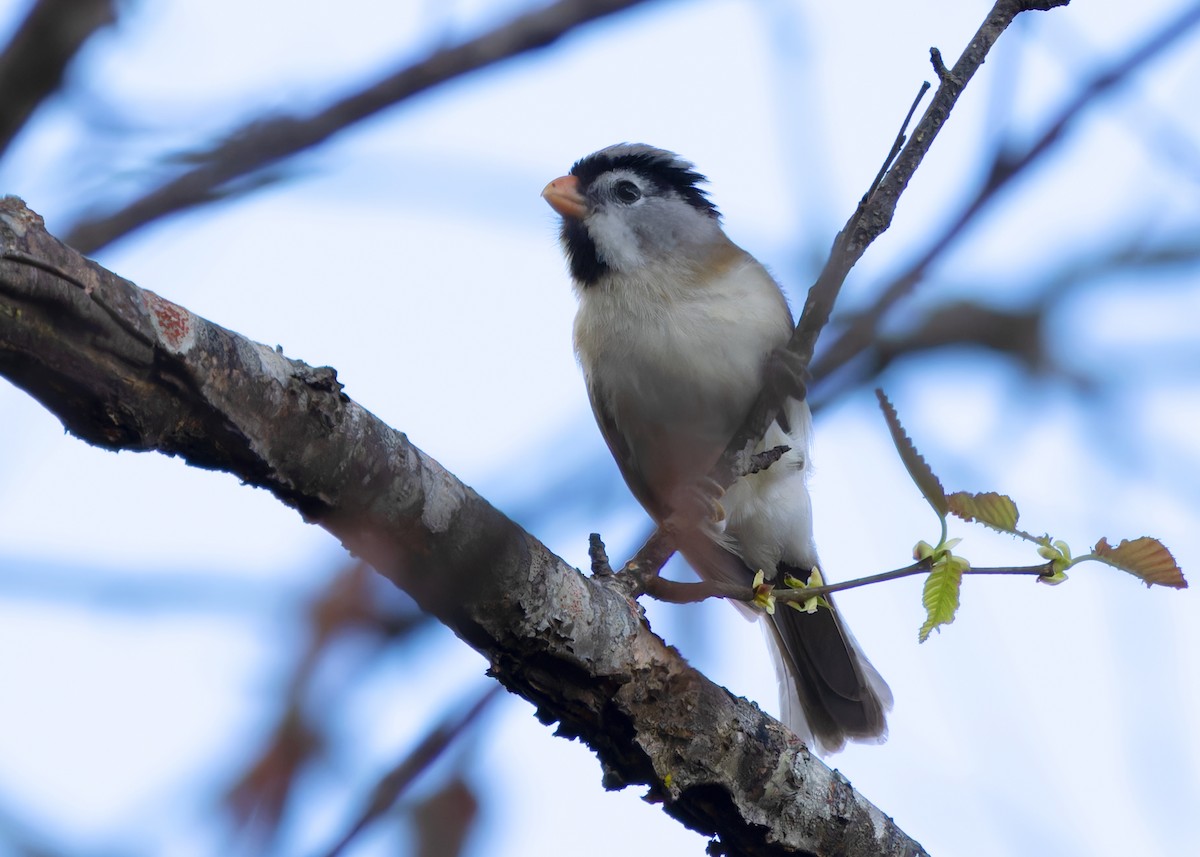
[1004, 168]
[1045, 570]
[679, 592]
[919, 567]
[898, 144]
[939, 65]
[871, 218]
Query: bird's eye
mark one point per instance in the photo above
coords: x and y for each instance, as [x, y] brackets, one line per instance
[627, 191]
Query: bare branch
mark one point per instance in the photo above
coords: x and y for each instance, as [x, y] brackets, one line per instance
[1003, 170]
[265, 142]
[692, 592]
[1018, 334]
[126, 369]
[872, 217]
[919, 567]
[900, 137]
[32, 65]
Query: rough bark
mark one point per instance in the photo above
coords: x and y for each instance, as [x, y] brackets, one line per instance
[126, 369]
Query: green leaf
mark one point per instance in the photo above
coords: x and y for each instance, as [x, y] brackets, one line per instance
[1146, 558]
[929, 485]
[940, 596]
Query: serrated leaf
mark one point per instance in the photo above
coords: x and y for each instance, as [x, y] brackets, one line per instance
[1146, 558]
[940, 597]
[928, 484]
[997, 511]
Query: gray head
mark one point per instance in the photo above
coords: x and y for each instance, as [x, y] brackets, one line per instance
[628, 207]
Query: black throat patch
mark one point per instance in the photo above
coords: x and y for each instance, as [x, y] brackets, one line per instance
[586, 265]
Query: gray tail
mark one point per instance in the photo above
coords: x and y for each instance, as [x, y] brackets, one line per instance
[829, 691]
[823, 671]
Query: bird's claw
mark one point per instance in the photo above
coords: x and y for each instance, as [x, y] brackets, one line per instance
[700, 501]
[786, 375]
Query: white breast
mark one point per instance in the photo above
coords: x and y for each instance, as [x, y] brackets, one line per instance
[686, 358]
[686, 351]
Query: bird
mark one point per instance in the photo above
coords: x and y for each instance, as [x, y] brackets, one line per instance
[675, 332]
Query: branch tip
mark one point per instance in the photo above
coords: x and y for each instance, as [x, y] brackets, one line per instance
[945, 76]
[599, 556]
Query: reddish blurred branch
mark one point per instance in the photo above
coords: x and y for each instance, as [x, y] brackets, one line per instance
[392, 786]
[348, 605]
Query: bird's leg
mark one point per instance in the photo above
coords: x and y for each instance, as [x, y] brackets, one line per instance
[785, 376]
[697, 503]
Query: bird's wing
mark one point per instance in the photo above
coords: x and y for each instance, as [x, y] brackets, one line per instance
[655, 459]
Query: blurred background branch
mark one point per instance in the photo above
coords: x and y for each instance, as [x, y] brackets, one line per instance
[232, 167]
[34, 61]
[1007, 165]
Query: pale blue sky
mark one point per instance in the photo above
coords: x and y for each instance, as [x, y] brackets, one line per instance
[415, 255]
